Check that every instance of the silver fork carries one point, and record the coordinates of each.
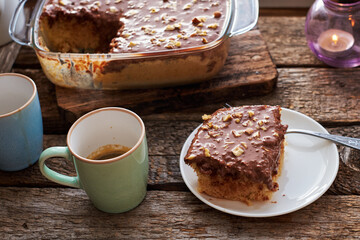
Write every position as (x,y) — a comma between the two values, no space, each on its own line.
(347,141)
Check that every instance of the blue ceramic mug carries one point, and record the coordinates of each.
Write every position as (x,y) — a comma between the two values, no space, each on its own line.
(21,129)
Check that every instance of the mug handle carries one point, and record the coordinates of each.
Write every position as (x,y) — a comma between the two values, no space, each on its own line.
(51,174)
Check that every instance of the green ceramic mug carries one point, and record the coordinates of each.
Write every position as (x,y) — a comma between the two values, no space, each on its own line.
(118,183)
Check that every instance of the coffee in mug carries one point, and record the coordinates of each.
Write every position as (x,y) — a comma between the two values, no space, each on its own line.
(108,151)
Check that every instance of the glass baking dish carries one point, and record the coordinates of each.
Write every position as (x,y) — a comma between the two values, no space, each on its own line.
(133,70)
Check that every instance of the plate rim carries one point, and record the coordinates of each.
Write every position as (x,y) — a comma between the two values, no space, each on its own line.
(257,215)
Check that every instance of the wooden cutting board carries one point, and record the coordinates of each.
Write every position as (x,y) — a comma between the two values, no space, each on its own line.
(248,71)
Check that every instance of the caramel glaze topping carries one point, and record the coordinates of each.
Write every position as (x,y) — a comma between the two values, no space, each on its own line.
(240,141)
(151,25)
(169,24)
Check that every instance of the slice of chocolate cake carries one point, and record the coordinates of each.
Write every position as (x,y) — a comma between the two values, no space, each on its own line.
(237,153)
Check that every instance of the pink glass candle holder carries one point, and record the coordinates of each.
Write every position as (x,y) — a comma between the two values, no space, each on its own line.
(332,31)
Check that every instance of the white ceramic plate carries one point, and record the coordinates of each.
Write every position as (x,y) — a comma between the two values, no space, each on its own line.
(310,167)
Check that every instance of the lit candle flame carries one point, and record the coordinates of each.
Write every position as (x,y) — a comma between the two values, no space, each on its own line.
(335,39)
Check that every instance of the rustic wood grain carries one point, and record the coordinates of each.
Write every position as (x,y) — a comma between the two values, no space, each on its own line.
(284,12)
(8,54)
(248,71)
(165,140)
(285,38)
(329,95)
(55,213)
(27,59)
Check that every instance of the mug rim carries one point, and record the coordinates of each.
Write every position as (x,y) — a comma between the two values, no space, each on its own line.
(27,103)
(110,160)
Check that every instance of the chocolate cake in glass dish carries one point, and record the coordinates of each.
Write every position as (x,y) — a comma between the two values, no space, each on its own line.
(238,153)
(128,44)
(123,44)
(120,26)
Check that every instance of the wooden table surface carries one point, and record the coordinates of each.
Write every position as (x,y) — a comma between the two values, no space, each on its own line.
(33,207)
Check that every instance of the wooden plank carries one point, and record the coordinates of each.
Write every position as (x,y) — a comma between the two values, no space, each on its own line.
(320,93)
(281,11)
(248,71)
(56,213)
(328,95)
(286,41)
(8,54)
(165,140)
(27,59)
